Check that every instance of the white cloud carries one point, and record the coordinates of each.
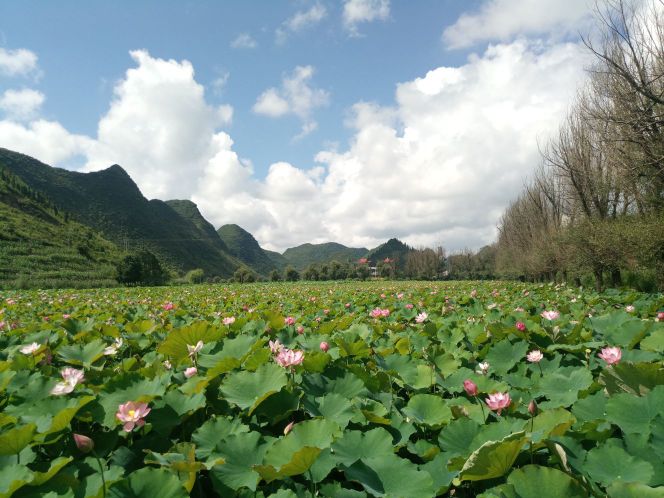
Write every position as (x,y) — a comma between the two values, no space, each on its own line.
(244,40)
(361,11)
(437,167)
(21,105)
(302,20)
(296,96)
(19,62)
(47,141)
(159,127)
(507,19)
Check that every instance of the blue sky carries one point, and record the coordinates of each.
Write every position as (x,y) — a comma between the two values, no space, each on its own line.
(302,120)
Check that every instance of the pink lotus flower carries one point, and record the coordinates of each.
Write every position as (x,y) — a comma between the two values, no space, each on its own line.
(190,372)
(470,387)
(376,313)
(660,316)
(71,377)
(473,293)
(300,329)
(324,347)
(229,320)
(30,348)
(84,443)
(289,320)
(498,401)
(385,312)
(193,350)
(288,428)
(519,309)
(326,312)
(421,317)
(409,306)
(611,355)
(132,414)
(66,316)
(167,306)
(362,261)
(535,356)
(347,305)
(550,315)
(275,346)
(630,308)
(520,326)
(289,357)
(400,295)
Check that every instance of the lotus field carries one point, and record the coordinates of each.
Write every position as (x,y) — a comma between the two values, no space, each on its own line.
(397,389)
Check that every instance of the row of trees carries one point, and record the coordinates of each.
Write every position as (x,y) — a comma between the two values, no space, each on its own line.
(596,204)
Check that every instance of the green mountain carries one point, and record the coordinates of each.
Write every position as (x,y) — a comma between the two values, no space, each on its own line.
(243,246)
(393,249)
(109,202)
(277,258)
(302,256)
(41,247)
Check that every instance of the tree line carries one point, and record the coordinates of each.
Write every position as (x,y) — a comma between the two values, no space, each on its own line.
(596,203)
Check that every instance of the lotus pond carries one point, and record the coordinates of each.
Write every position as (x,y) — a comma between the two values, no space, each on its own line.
(397,389)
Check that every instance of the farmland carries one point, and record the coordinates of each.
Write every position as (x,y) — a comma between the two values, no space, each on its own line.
(398,389)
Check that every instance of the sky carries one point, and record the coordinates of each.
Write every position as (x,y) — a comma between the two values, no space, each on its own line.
(351,121)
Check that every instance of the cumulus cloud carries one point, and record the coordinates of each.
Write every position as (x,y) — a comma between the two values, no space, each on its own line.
(505,19)
(361,11)
(296,96)
(244,40)
(19,62)
(302,20)
(21,105)
(436,167)
(47,141)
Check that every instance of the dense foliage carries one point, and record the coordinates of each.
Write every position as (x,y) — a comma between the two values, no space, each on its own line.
(337,390)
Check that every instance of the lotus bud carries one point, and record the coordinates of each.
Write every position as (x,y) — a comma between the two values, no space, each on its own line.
(84,443)
(470,387)
(532,407)
(324,347)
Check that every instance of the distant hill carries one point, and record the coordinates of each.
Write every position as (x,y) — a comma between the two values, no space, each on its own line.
(41,247)
(243,246)
(393,249)
(302,256)
(277,258)
(109,202)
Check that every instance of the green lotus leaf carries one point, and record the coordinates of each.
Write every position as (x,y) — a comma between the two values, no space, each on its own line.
(354,445)
(609,463)
(504,355)
(428,409)
(635,378)
(12,441)
(316,361)
(619,328)
(493,459)
(248,389)
(148,483)
(241,452)
(208,435)
(315,433)
(635,413)
(299,463)
(455,438)
(12,478)
(620,489)
(333,407)
(389,475)
(544,482)
(562,388)
(654,342)
(175,345)
(82,354)
(55,467)
(550,423)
